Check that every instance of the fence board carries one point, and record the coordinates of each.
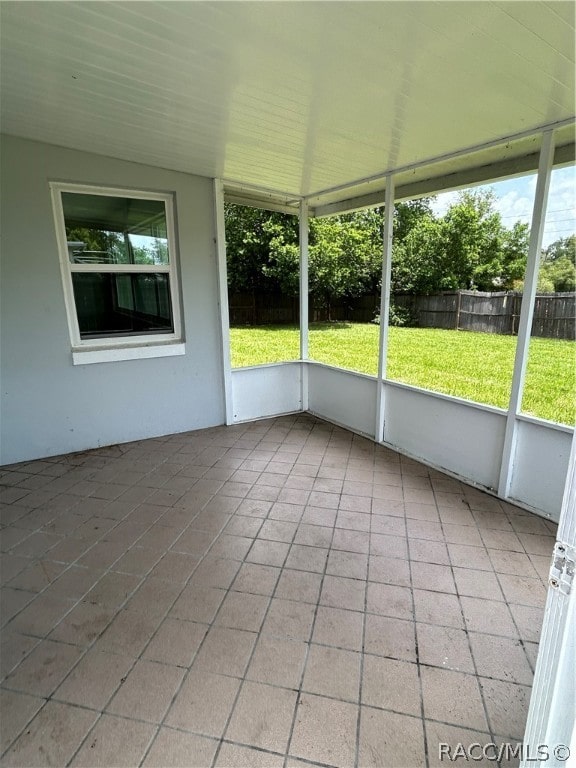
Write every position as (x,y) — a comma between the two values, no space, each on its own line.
(497,312)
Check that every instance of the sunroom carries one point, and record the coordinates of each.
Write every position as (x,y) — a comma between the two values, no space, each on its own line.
(283,564)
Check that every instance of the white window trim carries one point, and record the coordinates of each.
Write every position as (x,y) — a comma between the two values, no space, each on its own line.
(116,348)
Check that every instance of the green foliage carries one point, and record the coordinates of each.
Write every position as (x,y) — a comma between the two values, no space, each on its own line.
(559,274)
(475,366)
(564,247)
(408,214)
(345,253)
(262,249)
(417,261)
(345,256)
(467,248)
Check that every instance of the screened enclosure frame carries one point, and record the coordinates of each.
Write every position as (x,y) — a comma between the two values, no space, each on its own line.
(371,405)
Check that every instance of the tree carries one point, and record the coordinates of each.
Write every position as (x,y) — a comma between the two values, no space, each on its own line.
(466,248)
(417,261)
(257,247)
(560,273)
(408,214)
(345,256)
(474,240)
(564,247)
(557,268)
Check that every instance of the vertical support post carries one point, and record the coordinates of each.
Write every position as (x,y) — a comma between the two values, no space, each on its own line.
(384,305)
(220,241)
(303,220)
(458,308)
(526,310)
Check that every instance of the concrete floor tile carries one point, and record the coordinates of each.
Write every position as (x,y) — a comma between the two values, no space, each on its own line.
(391,684)
(204,703)
(226,651)
(17,710)
(174,749)
(390,739)
(94,680)
(44,668)
(234,755)
(325,731)
(386,636)
(320,674)
(114,741)
(52,737)
(278,661)
(262,717)
(339,628)
(287,618)
(452,697)
(241,610)
(147,691)
(176,642)
(445,647)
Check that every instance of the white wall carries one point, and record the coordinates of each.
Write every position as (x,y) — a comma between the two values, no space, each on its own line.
(462,438)
(50,406)
(343,397)
(266,390)
(446,432)
(540,465)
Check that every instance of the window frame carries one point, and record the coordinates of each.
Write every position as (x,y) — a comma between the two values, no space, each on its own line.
(102,349)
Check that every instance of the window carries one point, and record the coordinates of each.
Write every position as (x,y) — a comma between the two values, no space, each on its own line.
(117,255)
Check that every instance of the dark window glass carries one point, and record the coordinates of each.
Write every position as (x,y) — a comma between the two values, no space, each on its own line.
(108,304)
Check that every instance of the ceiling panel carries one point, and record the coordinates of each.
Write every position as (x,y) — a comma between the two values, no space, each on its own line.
(298,97)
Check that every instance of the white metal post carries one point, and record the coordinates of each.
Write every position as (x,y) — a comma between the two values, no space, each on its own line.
(303,220)
(551,713)
(220,238)
(526,310)
(384,305)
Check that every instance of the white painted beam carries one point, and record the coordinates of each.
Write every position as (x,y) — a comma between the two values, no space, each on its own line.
(304,320)
(527,310)
(384,306)
(220,239)
(491,172)
(264,204)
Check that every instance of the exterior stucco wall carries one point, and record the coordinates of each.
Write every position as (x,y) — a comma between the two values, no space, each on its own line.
(50,406)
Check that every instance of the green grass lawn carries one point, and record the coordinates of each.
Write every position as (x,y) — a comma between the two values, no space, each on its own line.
(475,366)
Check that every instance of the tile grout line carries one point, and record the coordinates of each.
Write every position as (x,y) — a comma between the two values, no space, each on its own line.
(416,642)
(465,624)
(308,643)
(150,639)
(211,625)
(117,613)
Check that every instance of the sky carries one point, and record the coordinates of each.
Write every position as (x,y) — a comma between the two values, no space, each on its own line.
(515,199)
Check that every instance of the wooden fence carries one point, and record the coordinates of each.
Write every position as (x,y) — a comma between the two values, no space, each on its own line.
(554,314)
(276,309)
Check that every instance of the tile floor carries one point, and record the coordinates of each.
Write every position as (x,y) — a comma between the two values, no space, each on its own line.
(281,593)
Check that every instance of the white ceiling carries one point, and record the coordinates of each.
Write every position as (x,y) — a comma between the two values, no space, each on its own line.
(297,97)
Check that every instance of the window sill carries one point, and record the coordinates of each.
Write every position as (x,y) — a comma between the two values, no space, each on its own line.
(116,354)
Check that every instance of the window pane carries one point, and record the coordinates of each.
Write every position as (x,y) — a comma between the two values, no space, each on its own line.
(115,230)
(122,304)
